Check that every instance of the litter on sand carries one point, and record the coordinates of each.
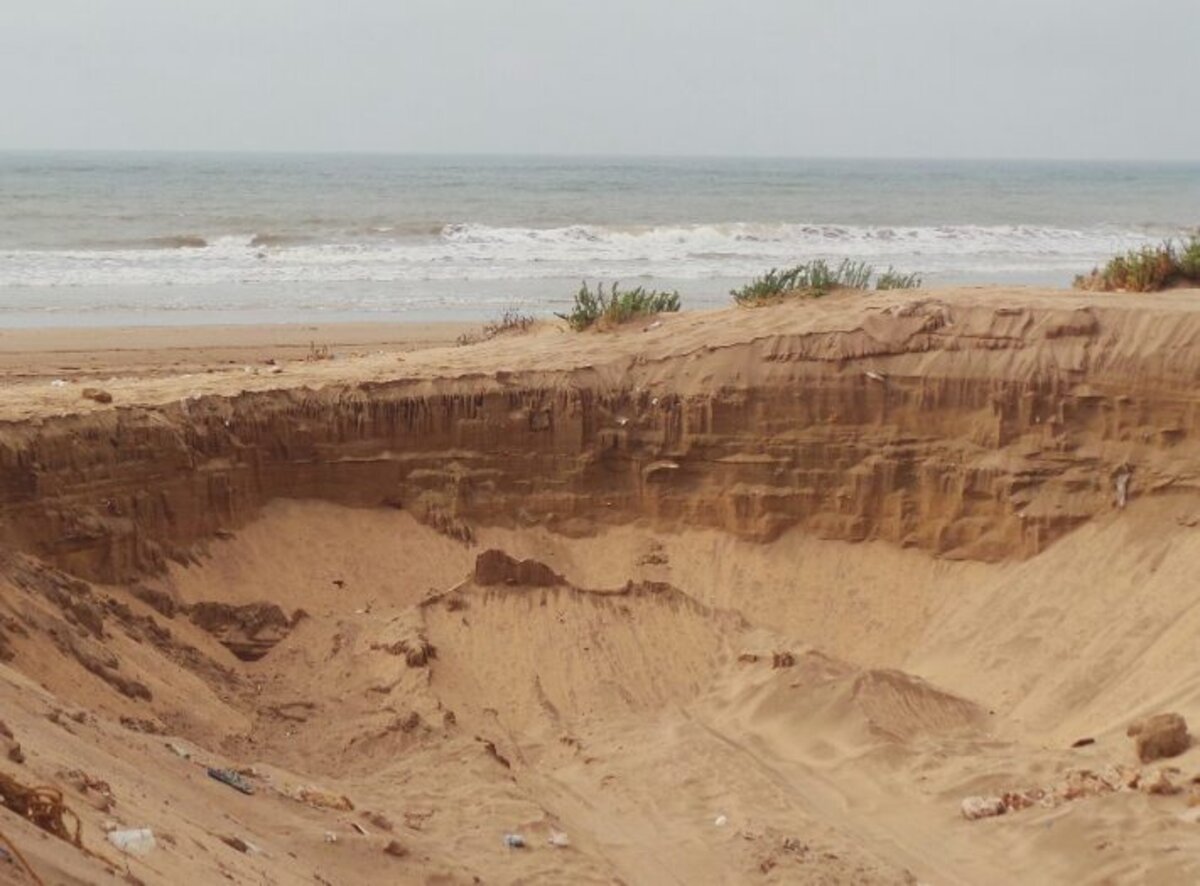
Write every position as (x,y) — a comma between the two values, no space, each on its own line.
(231,778)
(559,840)
(139,841)
(514,841)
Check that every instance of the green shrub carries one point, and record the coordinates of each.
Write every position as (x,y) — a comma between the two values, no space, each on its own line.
(616,306)
(1189,260)
(815,278)
(1148,269)
(893,279)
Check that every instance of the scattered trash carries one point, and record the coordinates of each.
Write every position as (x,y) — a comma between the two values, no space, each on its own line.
(241,845)
(358,827)
(231,778)
(58,383)
(41,805)
(720,821)
(654,325)
(559,840)
(94,789)
(514,841)
(323,800)
(1162,784)
(875,376)
(1122,484)
(330,837)
(974,808)
(139,841)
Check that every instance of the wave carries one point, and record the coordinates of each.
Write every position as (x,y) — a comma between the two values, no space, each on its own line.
(478,252)
(268,239)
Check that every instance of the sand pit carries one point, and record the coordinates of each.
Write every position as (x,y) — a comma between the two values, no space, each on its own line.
(362,624)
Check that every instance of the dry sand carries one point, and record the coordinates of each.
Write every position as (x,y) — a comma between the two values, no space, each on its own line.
(100,353)
(813,575)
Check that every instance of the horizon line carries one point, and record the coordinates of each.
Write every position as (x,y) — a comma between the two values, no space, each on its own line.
(550,155)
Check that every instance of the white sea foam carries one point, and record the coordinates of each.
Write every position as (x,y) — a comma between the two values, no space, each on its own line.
(473,252)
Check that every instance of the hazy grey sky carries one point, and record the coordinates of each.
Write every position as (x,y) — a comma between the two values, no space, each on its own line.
(942,78)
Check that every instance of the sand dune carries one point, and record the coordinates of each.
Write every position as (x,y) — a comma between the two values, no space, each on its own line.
(753,596)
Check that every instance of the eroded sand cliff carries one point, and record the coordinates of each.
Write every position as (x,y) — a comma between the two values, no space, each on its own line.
(816,571)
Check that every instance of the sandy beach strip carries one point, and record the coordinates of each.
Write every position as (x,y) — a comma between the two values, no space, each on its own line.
(151,350)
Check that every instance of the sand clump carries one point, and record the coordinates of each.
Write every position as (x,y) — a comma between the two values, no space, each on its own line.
(1158,736)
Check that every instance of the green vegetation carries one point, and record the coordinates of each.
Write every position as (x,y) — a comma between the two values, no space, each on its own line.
(616,306)
(1147,270)
(893,279)
(816,278)
(511,320)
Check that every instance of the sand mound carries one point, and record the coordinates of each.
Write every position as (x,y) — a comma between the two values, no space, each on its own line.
(811,704)
(546,657)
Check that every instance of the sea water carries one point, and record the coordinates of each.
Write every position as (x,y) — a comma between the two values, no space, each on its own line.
(100,238)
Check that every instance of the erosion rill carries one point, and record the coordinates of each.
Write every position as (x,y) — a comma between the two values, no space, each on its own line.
(969,426)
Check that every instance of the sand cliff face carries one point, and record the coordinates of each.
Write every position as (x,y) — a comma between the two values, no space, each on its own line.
(645,589)
(972,431)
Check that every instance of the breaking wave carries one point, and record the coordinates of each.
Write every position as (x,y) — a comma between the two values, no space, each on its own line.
(476,252)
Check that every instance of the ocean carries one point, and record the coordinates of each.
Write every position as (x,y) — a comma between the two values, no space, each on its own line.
(140,238)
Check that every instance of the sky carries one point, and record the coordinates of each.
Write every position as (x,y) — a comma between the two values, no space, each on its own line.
(1077,79)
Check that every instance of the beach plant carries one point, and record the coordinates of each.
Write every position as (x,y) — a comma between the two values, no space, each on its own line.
(893,279)
(1148,269)
(813,279)
(511,321)
(596,307)
(1189,259)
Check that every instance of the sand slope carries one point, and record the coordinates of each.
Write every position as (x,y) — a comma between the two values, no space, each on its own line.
(799,581)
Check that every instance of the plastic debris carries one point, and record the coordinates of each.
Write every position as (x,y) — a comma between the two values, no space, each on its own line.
(231,778)
(241,845)
(1122,485)
(330,837)
(974,808)
(514,841)
(720,821)
(139,841)
(559,840)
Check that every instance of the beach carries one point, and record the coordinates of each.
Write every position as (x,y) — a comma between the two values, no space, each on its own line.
(866,588)
(57,352)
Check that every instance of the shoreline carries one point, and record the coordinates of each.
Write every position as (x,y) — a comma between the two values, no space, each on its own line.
(67,352)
